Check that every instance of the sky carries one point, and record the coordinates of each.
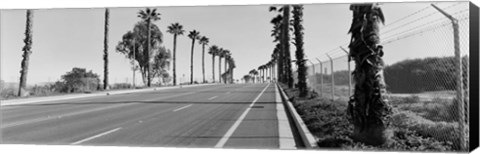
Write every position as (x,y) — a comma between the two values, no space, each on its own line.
(67,38)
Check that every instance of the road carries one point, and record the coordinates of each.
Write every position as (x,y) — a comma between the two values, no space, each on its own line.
(220,116)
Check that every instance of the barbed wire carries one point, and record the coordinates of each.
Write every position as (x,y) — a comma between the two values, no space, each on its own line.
(420,29)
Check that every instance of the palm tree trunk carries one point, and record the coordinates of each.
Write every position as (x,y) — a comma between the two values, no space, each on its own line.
(174,59)
(213,68)
(149,78)
(191,62)
(225,70)
(219,69)
(368,110)
(26,54)
(286,46)
(105,51)
(203,62)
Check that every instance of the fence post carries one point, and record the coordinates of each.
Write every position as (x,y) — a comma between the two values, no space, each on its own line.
(321,77)
(314,73)
(459,82)
(333,77)
(349,73)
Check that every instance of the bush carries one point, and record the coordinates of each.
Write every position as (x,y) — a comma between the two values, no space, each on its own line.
(327,121)
(8,93)
(122,86)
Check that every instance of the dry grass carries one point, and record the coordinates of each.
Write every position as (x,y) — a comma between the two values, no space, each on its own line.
(327,121)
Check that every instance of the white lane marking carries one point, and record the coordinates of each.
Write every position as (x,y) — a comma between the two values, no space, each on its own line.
(60,116)
(212,97)
(285,135)
(232,129)
(96,136)
(182,108)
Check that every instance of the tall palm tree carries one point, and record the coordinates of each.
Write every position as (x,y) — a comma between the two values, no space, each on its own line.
(214,52)
(149,15)
(105,50)
(175,29)
(285,41)
(27,50)
(220,55)
(298,32)
(194,35)
(368,109)
(226,54)
(203,41)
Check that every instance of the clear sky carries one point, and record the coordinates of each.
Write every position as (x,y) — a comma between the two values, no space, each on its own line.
(67,38)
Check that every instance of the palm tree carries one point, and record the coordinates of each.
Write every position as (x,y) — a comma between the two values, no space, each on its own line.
(226,55)
(203,41)
(194,35)
(252,73)
(148,16)
(232,65)
(260,68)
(302,70)
(105,50)
(175,29)
(368,109)
(220,55)
(285,41)
(214,52)
(27,50)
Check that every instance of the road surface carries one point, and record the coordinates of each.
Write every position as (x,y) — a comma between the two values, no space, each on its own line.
(220,116)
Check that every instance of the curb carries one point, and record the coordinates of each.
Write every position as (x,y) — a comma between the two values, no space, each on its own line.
(305,135)
(21,101)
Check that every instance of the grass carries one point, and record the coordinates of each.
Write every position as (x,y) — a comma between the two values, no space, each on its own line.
(413,123)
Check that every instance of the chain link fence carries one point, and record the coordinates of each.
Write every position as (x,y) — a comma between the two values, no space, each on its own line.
(423,87)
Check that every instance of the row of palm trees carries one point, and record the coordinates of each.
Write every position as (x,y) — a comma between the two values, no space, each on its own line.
(280,60)
(368,110)
(176,30)
(148,15)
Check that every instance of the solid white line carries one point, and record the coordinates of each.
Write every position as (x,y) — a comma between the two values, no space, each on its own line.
(96,136)
(212,97)
(285,135)
(182,108)
(232,129)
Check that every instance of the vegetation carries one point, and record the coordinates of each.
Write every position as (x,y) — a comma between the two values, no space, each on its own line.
(105,50)
(214,51)
(148,16)
(194,35)
(415,75)
(203,41)
(27,50)
(328,122)
(161,64)
(133,47)
(175,29)
(298,32)
(368,110)
(281,35)
(78,80)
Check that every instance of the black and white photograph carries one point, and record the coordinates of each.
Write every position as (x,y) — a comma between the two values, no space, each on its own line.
(372,76)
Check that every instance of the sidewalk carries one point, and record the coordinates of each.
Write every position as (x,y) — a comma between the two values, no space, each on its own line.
(21,101)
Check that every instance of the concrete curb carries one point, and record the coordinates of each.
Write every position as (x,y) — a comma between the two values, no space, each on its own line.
(21,101)
(306,136)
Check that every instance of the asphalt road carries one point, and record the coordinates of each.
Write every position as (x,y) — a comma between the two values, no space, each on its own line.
(220,116)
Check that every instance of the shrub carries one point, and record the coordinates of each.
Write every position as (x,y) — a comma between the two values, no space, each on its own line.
(122,86)
(327,121)
(8,93)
